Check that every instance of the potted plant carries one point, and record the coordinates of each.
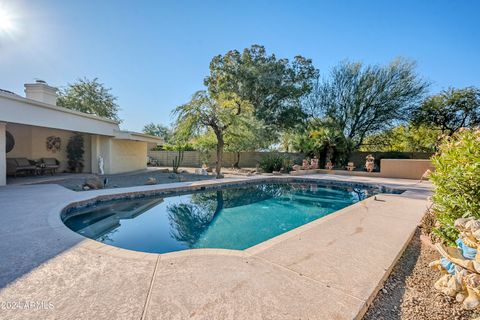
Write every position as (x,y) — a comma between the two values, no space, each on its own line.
(75,151)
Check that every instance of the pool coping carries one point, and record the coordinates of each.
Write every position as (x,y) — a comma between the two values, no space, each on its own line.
(55,218)
(413,201)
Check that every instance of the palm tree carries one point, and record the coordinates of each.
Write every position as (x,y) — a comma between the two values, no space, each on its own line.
(327,139)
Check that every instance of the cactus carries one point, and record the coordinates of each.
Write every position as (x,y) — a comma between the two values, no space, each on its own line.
(177,161)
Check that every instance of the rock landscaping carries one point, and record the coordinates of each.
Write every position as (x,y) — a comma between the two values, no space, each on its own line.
(409,293)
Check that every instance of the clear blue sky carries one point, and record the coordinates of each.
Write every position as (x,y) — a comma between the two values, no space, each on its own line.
(155,54)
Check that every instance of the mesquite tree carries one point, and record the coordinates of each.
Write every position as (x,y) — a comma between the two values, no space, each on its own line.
(273,86)
(203,112)
(364,99)
(450,110)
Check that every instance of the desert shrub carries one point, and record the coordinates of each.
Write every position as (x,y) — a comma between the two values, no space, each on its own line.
(287,164)
(275,162)
(457,181)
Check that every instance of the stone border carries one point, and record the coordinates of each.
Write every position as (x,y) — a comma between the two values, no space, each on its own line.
(55,219)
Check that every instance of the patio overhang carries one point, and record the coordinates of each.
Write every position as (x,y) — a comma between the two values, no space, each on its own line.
(135,136)
(19,110)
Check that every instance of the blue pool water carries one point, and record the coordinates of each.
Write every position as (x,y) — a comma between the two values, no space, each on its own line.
(230,218)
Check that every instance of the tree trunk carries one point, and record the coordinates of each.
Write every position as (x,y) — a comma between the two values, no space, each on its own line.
(236,165)
(219,202)
(329,155)
(220,144)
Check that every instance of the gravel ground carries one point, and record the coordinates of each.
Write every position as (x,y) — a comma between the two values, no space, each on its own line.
(133,179)
(408,293)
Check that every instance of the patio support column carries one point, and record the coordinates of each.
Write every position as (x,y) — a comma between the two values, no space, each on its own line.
(3,154)
(94,146)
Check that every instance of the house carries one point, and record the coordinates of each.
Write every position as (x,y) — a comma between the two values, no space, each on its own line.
(38,128)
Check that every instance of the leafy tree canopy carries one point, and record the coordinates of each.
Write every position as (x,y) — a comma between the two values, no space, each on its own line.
(403,138)
(250,135)
(203,113)
(450,110)
(89,96)
(274,87)
(364,99)
(158,130)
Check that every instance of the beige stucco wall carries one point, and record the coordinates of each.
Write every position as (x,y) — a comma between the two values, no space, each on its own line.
(101,147)
(31,143)
(404,168)
(126,156)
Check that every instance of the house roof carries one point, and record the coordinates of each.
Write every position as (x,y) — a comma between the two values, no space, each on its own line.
(17,109)
(136,136)
(8,92)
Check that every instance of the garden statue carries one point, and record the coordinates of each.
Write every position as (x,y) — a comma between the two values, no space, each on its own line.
(350,166)
(151,181)
(101,165)
(305,164)
(370,163)
(329,165)
(314,163)
(202,171)
(461,265)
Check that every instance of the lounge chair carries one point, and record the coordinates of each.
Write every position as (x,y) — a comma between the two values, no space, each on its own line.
(49,165)
(17,165)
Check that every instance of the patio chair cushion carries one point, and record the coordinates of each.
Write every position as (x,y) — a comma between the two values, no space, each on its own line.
(11,162)
(50,162)
(23,162)
(11,166)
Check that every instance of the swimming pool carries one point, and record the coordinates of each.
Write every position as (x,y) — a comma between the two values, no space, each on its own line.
(230,218)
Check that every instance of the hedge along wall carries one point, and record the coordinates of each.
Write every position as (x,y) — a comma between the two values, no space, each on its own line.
(251,159)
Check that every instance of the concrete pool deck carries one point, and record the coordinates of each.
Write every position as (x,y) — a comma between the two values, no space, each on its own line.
(330,268)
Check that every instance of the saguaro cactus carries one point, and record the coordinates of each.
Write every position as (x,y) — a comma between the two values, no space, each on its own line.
(177,161)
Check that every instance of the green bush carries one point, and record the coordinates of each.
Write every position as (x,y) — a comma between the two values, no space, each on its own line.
(275,162)
(457,181)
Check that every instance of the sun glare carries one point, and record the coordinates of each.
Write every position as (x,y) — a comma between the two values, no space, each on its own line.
(6,22)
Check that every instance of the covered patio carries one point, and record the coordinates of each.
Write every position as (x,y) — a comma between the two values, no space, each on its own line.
(35,128)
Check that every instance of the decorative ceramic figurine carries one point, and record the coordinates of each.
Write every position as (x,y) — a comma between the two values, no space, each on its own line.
(305,164)
(329,165)
(426,175)
(461,265)
(370,163)
(350,166)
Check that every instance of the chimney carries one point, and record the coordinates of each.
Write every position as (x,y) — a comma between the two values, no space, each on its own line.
(42,92)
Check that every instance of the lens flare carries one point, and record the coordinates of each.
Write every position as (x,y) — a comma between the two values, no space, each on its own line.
(6,21)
